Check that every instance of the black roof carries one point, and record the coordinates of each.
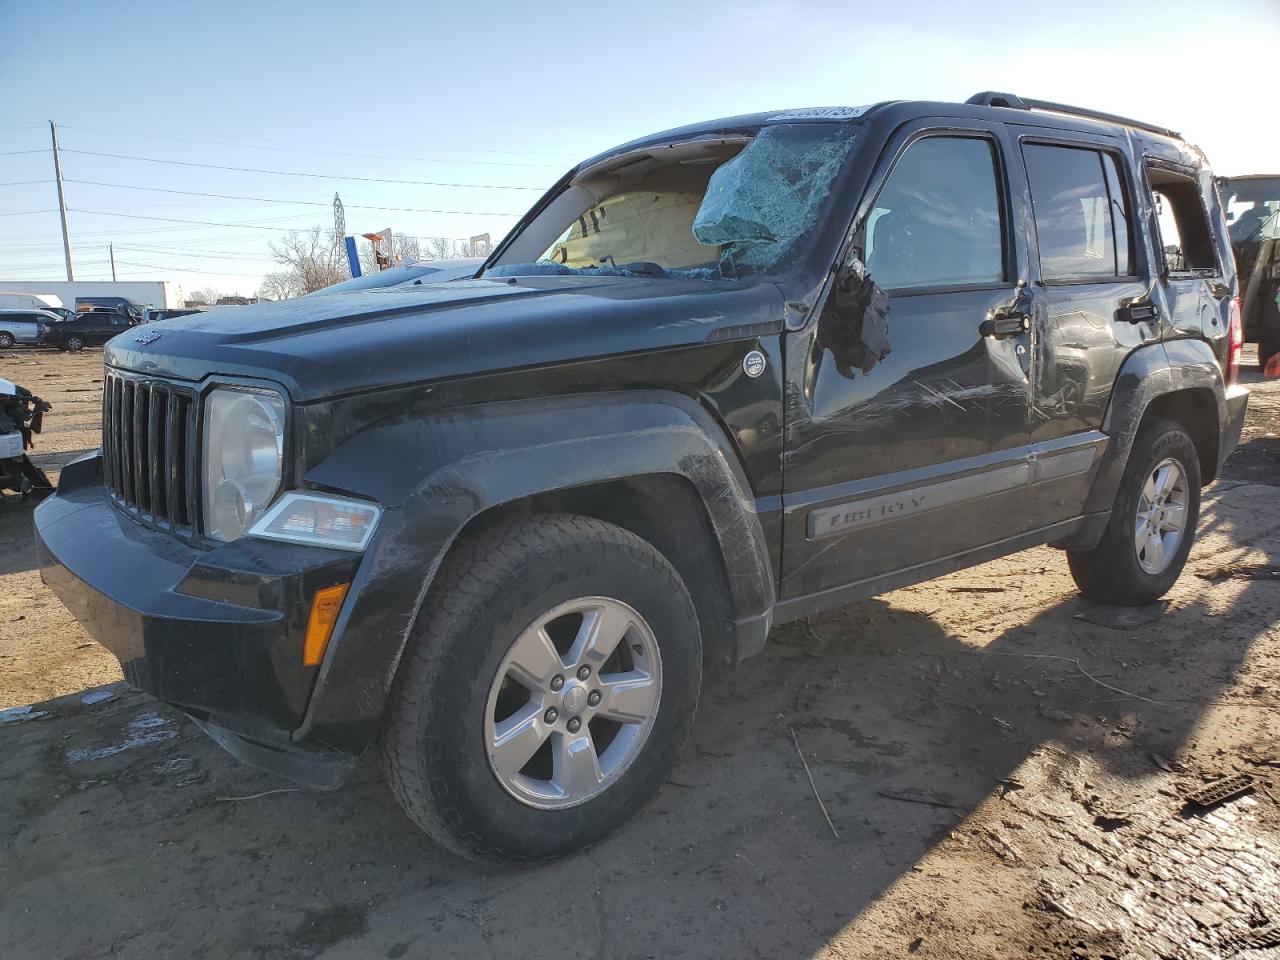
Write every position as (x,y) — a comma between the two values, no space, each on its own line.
(988,105)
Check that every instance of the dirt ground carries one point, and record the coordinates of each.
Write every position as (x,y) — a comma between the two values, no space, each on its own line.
(1005,768)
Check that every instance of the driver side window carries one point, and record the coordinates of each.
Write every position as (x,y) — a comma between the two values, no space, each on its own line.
(937,221)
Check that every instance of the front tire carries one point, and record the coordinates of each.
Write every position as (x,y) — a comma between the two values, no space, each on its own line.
(1152,525)
(6,340)
(547,689)
(73,344)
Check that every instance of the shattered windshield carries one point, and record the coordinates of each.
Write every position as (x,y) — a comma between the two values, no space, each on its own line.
(711,210)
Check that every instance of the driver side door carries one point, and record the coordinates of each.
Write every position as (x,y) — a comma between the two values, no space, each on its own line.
(925,457)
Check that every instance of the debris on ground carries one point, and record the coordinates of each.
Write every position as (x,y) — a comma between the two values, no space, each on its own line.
(925,797)
(141,732)
(97,696)
(22,714)
(1220,791)
(175,765)
(1243,571)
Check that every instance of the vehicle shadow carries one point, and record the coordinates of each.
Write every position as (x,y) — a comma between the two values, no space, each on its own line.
(906,725)
(16,533)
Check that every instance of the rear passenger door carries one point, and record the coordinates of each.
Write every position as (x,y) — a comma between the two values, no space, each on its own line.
(1093,290)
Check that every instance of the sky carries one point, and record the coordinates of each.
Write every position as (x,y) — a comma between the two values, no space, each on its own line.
(482,106)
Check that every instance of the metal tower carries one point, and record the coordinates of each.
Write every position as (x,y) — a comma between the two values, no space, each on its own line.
(339,229)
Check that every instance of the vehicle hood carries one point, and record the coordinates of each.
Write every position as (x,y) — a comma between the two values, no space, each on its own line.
(366,340)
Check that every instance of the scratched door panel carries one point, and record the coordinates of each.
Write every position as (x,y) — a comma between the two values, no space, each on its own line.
(924,456)
(943,417)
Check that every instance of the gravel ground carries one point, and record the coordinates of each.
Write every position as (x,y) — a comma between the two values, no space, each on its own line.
(1005,765)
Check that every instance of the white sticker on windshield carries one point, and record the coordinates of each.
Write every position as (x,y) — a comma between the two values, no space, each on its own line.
(821,113)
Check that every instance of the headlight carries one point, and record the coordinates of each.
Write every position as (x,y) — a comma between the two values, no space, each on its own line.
(319,520)
(243,458)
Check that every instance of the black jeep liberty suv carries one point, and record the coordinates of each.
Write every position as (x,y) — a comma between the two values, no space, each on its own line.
(716,379)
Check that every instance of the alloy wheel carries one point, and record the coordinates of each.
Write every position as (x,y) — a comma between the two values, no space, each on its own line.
(573,702)
(1162,516)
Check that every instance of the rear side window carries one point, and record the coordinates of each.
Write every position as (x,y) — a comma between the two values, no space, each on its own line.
(937,221)
(1081,213)
(1184,227)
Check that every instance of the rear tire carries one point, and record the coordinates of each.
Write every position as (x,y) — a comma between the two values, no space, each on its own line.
(6,340)
(1138,558)
(467,672)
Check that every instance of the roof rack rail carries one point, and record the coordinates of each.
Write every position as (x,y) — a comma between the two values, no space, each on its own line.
(990,98)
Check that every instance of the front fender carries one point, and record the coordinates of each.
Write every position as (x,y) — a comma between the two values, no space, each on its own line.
(433,474)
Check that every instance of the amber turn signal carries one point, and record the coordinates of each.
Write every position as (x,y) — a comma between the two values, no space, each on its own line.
(324,614)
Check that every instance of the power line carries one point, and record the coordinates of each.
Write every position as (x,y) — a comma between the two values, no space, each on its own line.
(293,173)
(221,140)
(15,153)
(25,213)
(306,203)
(202,254)
(153,266)
(23,183)
(210,223)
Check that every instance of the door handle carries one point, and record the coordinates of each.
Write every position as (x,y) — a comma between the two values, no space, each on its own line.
(1005,325)
(1139,311)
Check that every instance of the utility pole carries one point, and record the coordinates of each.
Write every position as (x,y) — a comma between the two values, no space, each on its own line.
(62,201)
(111,250)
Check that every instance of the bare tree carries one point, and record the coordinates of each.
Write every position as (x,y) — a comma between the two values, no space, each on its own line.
(205,296)
(368,264)
(311,260)
(407,249)
(281,285)
(443,248)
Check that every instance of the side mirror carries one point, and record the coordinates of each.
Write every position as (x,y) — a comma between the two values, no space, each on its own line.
(854,324)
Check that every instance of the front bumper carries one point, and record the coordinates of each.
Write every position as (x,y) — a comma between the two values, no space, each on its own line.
(216,632)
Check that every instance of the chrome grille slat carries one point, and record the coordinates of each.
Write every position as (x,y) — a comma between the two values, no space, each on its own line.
(148,451)
(193,478)
(138,447)
(108,446)
(126,439)
(171,470)
(158,394)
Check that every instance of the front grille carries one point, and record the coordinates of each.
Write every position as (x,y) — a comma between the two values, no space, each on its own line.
(149,451)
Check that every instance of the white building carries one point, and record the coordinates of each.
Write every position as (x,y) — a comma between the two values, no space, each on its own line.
(157,294)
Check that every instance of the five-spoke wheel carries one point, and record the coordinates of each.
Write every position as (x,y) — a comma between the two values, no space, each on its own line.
(573,702)
(1161,516)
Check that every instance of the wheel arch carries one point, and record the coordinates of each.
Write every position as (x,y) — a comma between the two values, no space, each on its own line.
(1176,379)
(647,460)
(665,510)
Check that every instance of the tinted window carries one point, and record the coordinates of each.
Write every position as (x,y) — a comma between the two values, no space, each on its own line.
(937,220)
(1081,213)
